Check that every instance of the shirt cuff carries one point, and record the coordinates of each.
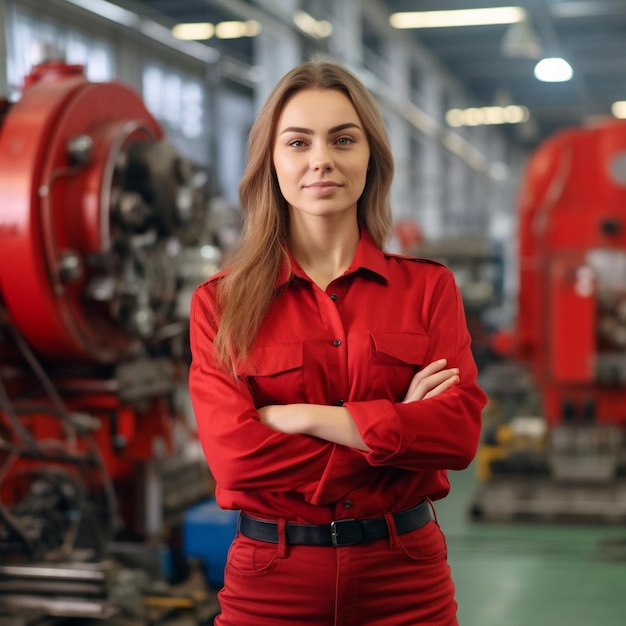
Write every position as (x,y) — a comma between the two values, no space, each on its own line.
(380,427)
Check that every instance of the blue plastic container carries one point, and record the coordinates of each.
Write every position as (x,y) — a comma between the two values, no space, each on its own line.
(207,534)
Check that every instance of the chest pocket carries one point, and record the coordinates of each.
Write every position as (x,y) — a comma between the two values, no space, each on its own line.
(395,358)
(276,373)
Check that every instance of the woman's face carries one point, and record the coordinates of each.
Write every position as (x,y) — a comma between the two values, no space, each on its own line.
(321,153)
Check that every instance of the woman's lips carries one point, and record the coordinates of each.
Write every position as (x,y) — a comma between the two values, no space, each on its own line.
(322,187)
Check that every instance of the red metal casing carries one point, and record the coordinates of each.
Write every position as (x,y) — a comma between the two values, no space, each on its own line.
(49,206)
(571,325)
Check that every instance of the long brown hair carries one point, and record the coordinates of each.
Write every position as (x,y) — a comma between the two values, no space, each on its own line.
(246,291)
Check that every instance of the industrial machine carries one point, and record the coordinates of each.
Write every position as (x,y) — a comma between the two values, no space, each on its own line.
(554,444)
(98,458)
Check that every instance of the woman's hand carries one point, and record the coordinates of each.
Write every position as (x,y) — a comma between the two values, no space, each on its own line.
(335,424)
(431,381)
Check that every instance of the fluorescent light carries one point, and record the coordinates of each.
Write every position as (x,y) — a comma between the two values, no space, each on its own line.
(320,29)
(324,29)
(235,30)
(458,17)
(194,31)
(553,70)
(619,109)
(487,116)
(514,114)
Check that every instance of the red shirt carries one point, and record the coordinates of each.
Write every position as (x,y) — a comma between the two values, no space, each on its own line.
(358,343)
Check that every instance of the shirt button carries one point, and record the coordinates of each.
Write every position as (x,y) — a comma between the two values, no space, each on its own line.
(333,297)
(347,504)
(337,342)
(339,403)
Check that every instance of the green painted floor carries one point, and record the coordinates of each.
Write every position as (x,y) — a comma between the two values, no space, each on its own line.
(532,574)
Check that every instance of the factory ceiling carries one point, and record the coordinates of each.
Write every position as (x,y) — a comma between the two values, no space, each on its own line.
(494,63)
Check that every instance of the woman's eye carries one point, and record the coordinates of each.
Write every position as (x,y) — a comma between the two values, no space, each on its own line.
(344,141)
(296,143)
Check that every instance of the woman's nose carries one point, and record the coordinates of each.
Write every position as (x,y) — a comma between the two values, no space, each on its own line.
(321,160)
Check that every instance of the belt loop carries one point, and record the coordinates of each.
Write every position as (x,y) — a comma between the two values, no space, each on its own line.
(394,544)
(282,538)
(238,525)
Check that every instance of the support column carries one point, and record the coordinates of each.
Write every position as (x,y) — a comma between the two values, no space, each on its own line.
(346,43)
(459,199)
(400,135)
(431,175)
(277,50)
(235,114)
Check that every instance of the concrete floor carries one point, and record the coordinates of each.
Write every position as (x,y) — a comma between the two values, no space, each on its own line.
(522,574)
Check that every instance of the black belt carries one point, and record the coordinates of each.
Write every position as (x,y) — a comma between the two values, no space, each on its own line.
(343,532)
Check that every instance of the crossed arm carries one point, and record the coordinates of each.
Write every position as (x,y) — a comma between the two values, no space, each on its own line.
(335,424)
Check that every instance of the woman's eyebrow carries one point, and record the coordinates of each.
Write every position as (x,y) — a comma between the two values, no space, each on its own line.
(296,129)
(336,129)
(308,131)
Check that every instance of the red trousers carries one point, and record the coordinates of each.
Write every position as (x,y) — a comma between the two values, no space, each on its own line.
(403,580)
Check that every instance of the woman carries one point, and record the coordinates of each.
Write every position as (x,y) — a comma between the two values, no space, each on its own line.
(333,383)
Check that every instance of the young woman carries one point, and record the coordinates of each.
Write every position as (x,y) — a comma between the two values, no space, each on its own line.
(333,383)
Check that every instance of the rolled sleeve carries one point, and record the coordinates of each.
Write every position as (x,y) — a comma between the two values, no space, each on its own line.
(441,432)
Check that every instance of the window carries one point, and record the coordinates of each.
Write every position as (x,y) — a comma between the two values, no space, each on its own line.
(175,99)
(33,38)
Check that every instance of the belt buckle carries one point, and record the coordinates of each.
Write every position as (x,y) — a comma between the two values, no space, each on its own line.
(342,532)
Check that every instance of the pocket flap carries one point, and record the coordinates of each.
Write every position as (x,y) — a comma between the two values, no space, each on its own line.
(275,358)
(406,347)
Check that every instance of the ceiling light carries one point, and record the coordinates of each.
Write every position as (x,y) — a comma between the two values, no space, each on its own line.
(553,70)
(514,114)
(619,109)
(487,116)
(458,17)
(235,30)
(196,31)
(320,29)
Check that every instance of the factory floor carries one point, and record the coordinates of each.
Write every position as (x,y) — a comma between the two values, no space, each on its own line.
(520,574)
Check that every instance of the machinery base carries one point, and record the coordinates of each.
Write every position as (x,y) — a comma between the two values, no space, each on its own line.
(544,499)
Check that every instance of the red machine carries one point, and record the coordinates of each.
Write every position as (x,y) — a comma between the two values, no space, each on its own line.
(565,455)
(95,208)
